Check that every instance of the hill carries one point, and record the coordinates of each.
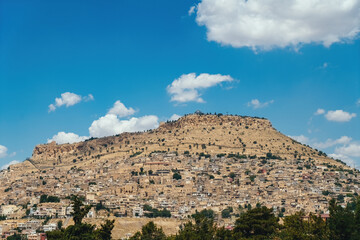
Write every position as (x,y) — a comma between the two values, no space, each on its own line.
(210,134)
(199,161)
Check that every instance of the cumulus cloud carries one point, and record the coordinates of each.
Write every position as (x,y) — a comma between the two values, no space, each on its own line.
(174,117)
(8,164)
(330,142)
(186,88)
(255,103)
(120,110)
(301,138)
(110,124)
(191,10)
(266,24)
(89,97)
(3,151)
(346,149)
(320,111)
(339,116)
(348,152)
(63,137)
(352,150)
(69,99)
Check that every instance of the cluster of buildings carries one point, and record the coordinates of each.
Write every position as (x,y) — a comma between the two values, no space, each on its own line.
(180,183)
(33,229)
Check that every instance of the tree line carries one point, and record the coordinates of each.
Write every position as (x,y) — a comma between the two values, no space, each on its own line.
(259,223)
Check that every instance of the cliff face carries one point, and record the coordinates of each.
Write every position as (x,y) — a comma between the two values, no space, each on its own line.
(210,134)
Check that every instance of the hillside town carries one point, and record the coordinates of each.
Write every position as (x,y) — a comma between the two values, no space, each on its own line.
(179,184)
(228,164)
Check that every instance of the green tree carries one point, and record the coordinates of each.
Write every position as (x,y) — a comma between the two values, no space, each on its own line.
(59,224)
(79,210)
(104,232)
(45,198)
(203,228)
(356,234)
(81,231)
(206,213)
(17,237)
(295,227)
(226,213)
(176,176)
(341,222)
(232,175)
(153,212)
(223,234)
(257,223)
(149,232)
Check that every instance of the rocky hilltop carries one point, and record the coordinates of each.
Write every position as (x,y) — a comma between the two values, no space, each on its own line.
(199,161)
(210,134)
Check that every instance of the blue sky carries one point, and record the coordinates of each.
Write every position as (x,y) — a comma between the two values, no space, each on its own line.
(160,58)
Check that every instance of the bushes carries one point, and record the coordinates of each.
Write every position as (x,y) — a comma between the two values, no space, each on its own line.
(135,154)
(226,213)
(204,155)
(232,175)
(176,176)
(238,156)
(271,156)
(153,212)
(45,198)
(100,206)
(206,213)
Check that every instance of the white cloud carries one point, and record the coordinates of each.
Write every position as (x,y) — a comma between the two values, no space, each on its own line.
(89,97)
(63,137)
(255,103)
(120,110)
(69,99)
(8,164)
(265,24)
(339,116)
(358,102)
(3,151)
(110,124)
(174,117)
(301,138)
(349,161)
(52,107)
(352,150)
(329,142)
(186,88)
(191,10)
(345,151)
(320,111)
